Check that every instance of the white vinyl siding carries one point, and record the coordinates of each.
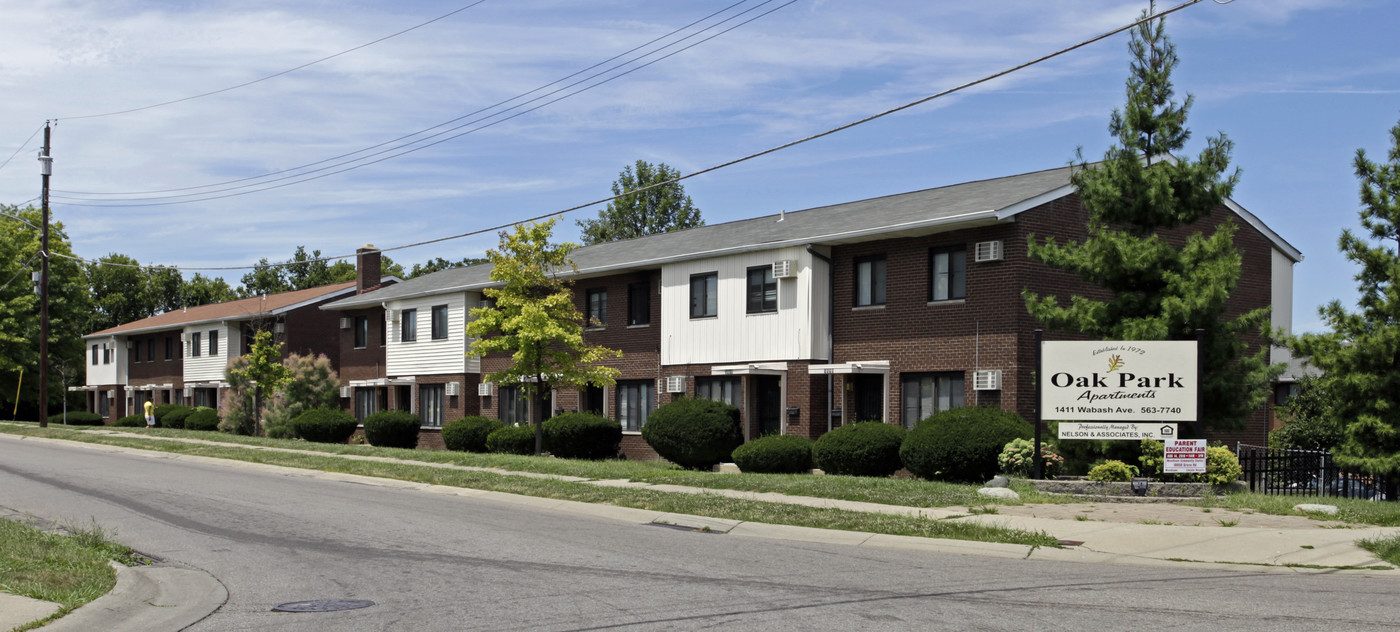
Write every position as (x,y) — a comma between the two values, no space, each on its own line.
(795,331)
(429,356)
(103,372)
(207,367)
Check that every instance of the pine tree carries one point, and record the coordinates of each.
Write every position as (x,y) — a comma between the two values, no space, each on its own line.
(1160,291)
(1360,357)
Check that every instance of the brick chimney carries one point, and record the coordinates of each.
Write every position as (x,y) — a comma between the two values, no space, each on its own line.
(367,273)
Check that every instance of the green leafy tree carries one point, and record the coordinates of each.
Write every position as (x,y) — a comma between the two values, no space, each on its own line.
(69,308)
(307,271)
(437,264)
(660,209)
(1309,419)
(120,291)
(203,290)
(265,278)
(164,290)
(258,371)
(535,321)
(1360,356)
(1159,291)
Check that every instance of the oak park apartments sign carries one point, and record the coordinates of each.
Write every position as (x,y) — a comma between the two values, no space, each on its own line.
(1119,381)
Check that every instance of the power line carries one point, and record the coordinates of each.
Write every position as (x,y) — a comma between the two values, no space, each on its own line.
(279,74)
(422,143)
(22,146)
(736,161)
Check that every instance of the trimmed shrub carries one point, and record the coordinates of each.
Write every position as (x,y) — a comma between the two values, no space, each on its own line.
(173,415)
(324,425)
(512,440)
(202,418)
(775,454)
(1018,459)
(131,421)
(392,429)
(1222,466)
(961,444)
(1112,472)
(582,436)
(468,434)
(693,433)
(78,418)
(867,448)
(1081,454)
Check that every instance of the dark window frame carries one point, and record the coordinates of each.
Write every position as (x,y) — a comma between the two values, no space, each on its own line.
(408,325)
(213,342)
(94,355)
(196,340)
(956,394)
(429,416)
(169,348)
(957,278)
(595,305)
(439,324)
(877,280)
(361,332)
(151,350)
(761,297)
(639,303)
(626,412)
(708,305)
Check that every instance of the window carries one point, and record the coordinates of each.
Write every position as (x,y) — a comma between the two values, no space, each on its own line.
(94,355)
(929,393)
(639,303)
(870,281)
(106,354)
(213,343)
(514,406)
(634,403)
(720,389)
(409,324)
(136,355)
(597,307)
(947,273)
(704,295)
(169,348)
(439,322)
(762,290)
(361,332)
(366,403)
(432,404)
(194,345)
(151,350)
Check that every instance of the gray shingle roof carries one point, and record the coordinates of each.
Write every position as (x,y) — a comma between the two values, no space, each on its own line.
(882,217)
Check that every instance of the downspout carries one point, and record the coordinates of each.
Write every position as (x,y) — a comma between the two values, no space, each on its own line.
(830,331)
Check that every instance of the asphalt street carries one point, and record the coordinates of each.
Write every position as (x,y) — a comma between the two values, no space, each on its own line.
(433,561)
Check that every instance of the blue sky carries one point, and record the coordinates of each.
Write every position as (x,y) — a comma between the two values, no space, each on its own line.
(1299,85)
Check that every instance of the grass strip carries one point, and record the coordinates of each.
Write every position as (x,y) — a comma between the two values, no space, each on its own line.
(886,491)
(1353,510)
(1387,548)
(69,570)
(708,505)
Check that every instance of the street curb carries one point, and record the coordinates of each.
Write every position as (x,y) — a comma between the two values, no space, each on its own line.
(148,599)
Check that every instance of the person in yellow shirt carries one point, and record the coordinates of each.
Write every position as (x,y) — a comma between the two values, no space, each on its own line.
(150,414)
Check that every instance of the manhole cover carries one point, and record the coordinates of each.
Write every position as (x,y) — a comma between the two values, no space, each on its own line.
(322,605)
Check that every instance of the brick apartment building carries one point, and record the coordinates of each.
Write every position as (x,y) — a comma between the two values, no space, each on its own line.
(891,308)
(179,357)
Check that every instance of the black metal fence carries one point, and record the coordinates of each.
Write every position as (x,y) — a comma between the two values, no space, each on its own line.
(1305,473)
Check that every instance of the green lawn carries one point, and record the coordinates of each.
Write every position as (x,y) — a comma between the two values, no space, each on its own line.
(69,570)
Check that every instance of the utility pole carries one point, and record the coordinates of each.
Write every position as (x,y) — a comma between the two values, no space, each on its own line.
(45,169)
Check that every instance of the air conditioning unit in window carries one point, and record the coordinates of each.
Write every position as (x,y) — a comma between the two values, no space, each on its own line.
(454,389)
(988,251)
(785,269)
(393,315)
(484,303)
(483,389)
(189,391)
(279,328)
(345,322)
(986,380)
(345,392)
(675,384)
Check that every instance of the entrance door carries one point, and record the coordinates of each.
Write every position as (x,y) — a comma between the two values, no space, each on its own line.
(869,393)
(768,404)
